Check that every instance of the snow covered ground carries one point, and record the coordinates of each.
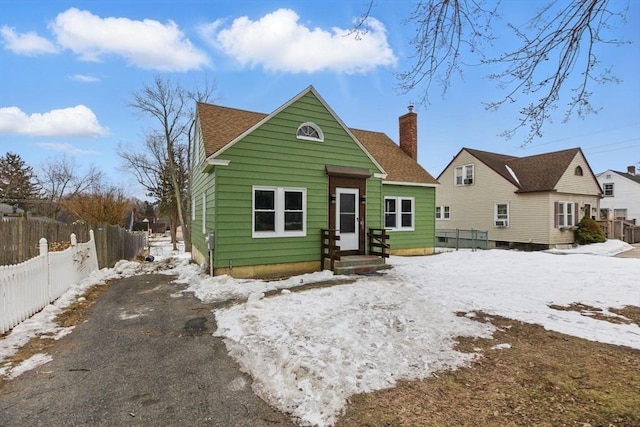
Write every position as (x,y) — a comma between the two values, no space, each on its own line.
(309,351)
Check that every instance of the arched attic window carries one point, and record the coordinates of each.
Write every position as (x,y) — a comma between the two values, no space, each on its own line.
(310,132)
(578,171)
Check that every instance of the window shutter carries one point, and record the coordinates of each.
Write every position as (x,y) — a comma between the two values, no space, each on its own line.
(576,214)
(555,214)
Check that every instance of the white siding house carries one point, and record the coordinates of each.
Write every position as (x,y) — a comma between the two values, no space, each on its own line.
(621,195)
(533,201)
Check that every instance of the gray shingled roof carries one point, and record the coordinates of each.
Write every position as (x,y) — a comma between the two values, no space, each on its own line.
(221,125)
(634,178)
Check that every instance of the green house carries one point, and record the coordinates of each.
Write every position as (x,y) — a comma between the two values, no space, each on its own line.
(285,193)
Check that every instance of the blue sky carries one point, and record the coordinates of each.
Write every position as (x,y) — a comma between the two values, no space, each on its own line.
(69,68)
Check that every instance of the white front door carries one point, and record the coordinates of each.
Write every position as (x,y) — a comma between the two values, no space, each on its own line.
(347,218)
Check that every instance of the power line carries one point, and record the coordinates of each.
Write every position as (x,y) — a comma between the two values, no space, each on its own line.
(583,135)
(613,149)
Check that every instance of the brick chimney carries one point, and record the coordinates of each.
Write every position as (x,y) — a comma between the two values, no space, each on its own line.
(409,133)
(631,170)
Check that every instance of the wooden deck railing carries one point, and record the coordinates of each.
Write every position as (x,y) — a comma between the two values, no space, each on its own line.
(378,245)
(330,247)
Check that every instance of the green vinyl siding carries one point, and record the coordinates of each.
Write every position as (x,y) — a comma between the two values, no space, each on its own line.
(272,156)
(374,203)
(198,185)
(423,235)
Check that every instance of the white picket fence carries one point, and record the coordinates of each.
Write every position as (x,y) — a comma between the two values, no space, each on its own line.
(26,288)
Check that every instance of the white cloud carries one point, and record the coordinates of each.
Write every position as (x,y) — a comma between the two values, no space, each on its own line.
(84,78)
(278,42)
(65,147)
(27,43)
(73,121)
(145,44)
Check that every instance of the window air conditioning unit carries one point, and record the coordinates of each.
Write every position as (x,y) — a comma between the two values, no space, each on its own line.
(501,223)
(468,181)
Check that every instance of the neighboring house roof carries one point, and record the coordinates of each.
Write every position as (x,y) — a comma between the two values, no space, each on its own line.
(634,178)
(223,125)
(8,209)
(540,172)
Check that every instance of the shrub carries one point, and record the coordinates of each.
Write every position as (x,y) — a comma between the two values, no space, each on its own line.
(588,232)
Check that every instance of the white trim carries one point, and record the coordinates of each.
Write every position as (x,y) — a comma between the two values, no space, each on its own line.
(204,212)
(287,104)
(193,208)
(209,163)
(442,217)
(380,175)
(309,138)
(398,213)
(278,212)
(410,184)
(463,175)
(566,215)
(349,241)
(507,220)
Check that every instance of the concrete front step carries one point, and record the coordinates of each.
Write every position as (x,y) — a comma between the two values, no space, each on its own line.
(359,264)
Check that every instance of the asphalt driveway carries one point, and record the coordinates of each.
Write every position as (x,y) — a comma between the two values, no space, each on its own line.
(144,356)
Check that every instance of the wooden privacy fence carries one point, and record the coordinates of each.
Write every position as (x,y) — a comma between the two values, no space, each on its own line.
(114,243)
(19,237)
(19,240)
(623,230)
(27,287)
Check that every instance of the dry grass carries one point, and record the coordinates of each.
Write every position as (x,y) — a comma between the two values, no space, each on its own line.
(70,316)
(544,379)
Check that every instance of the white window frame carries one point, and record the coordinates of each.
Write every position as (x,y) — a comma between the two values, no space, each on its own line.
(398,213)
(497,216)
(610,189)
(463,173)
(279,199)
(193,208)
(204,213)
(443,213)
(320,137)
(564,214)
(620,214)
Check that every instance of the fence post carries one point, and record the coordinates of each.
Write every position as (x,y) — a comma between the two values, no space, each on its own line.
(21,240)
(473,240)
(44,252)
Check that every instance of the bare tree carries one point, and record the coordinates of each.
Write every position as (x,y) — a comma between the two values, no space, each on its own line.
(148,165)
(557,55)
(150,168)
(173,107)
(60,177)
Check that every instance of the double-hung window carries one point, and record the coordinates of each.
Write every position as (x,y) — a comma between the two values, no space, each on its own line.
(608,189)
(399,213)
(443,212)
(501,214)
(565,214)
(279,212)
(463,175)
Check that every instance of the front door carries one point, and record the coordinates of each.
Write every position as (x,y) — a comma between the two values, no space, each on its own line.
(347,218)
